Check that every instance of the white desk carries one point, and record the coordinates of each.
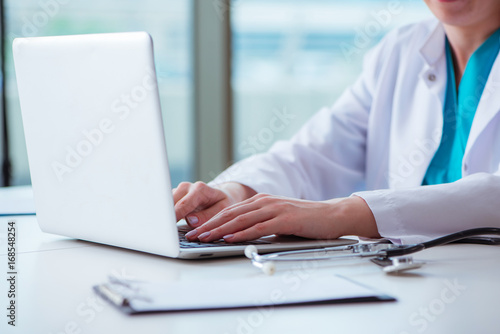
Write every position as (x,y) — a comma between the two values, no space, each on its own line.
(56,275)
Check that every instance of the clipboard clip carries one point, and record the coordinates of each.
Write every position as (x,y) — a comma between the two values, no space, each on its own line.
(120,292)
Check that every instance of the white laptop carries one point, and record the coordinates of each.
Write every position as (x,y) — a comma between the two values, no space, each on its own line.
(96,147)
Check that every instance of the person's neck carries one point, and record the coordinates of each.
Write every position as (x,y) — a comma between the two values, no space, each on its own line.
(464,41)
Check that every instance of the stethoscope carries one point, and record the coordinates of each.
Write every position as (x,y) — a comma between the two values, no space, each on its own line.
(393,258)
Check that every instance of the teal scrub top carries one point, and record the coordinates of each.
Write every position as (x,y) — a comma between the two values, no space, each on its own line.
(459,110)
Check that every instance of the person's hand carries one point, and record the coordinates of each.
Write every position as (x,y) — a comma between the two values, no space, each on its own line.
(263,215)
(198,202)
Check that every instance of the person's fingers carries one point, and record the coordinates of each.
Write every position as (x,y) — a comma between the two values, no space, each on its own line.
(251,204)
(181,191)
(270,215)
(234,218)
(199,197)
(239,223)
(199,218)
(265,228)
(185,205)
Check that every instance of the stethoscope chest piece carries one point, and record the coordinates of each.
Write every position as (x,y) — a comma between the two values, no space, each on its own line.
(398,265)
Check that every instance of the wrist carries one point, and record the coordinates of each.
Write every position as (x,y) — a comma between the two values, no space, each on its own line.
(353,216)
(236,192)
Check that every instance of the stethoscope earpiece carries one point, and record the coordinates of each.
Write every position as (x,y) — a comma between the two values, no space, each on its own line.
(251,251)
(267,267)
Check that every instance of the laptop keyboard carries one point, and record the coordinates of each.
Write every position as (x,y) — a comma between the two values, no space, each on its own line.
(184,243)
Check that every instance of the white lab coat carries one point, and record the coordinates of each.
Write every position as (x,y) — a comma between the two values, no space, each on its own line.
(378,139)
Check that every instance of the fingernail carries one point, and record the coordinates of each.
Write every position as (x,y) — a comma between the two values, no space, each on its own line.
(228,237)
(204,235)
(191,233)
(193,221)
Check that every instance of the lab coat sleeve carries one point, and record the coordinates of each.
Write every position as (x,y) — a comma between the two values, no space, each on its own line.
(310,165)
(327,157)
(418,214)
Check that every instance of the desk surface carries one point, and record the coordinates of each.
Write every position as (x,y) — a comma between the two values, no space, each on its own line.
(456,292)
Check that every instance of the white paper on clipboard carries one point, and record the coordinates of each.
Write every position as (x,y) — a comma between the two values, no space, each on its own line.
(141,297)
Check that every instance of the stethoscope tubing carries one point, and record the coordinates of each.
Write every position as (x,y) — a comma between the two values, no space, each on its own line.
(410,249)
(375,250)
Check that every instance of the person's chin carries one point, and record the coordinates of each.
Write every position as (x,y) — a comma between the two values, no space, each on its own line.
(452,12)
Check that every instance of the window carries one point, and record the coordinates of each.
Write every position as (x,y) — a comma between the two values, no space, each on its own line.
(289,58)
(168,21)
(292,57)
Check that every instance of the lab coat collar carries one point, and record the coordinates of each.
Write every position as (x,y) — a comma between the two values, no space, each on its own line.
(433,47)
(433,52)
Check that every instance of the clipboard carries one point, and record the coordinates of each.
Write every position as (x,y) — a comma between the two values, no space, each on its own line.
(135,297)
